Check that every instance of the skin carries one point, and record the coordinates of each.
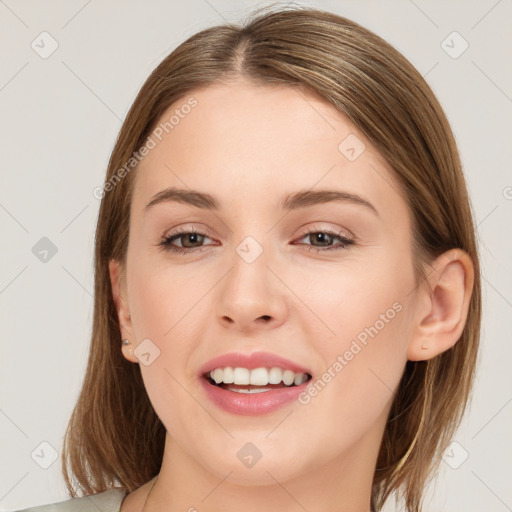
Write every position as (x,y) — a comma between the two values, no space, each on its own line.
(248,145)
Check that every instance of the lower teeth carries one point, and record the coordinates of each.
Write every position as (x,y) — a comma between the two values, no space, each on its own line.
(248,391)
(251,389)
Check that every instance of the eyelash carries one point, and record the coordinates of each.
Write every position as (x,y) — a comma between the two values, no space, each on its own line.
(166,243)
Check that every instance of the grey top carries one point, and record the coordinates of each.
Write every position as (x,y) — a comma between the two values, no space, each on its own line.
(108,501)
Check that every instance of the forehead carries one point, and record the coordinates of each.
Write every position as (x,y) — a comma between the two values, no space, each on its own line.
(245,139)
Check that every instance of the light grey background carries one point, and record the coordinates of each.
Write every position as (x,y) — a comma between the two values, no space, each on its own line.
(60,117)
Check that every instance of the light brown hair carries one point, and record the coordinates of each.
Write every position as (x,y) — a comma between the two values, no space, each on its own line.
(114,437)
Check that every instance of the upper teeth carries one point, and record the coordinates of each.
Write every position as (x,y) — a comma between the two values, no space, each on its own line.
(257,377)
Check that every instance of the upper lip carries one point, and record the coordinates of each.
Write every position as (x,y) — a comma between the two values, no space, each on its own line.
(251,361)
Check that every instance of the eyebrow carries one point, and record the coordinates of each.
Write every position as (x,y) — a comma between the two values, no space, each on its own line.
(300,199)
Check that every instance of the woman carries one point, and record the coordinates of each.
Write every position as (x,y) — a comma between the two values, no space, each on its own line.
(287,291)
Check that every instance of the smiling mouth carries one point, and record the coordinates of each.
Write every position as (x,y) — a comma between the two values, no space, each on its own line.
(259,380)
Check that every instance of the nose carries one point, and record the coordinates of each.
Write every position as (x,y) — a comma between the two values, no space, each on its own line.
(251,297)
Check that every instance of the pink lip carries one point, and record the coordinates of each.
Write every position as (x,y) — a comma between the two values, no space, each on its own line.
(252,404)
(251,361)
(255,403)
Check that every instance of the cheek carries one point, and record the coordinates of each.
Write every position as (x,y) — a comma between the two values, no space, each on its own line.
(168,313)
(169,310)
(366,309)
(352,395)
(164,300)
(359,299)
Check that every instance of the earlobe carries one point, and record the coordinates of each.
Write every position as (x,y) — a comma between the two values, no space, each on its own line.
(123,314)
(443,305)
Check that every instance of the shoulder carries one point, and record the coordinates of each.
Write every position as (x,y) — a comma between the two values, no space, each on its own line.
(108,501)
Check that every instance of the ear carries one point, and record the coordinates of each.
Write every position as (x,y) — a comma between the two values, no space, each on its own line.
(118,282)
(442,306)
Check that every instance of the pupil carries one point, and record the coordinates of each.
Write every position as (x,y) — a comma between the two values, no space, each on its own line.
(192,237)
(323,237)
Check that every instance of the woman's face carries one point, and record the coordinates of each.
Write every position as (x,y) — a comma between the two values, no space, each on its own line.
(336,304)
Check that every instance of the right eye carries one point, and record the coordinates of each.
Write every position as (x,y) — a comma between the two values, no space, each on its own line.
(188,240)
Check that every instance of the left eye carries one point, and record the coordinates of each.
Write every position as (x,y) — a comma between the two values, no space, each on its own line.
(326,238)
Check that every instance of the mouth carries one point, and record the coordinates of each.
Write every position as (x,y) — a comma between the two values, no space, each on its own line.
(253,384)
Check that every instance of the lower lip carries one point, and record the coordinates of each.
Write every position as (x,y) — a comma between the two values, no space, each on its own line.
(252,404)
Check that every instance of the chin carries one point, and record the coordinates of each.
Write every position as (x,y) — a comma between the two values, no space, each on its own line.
(258,464)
